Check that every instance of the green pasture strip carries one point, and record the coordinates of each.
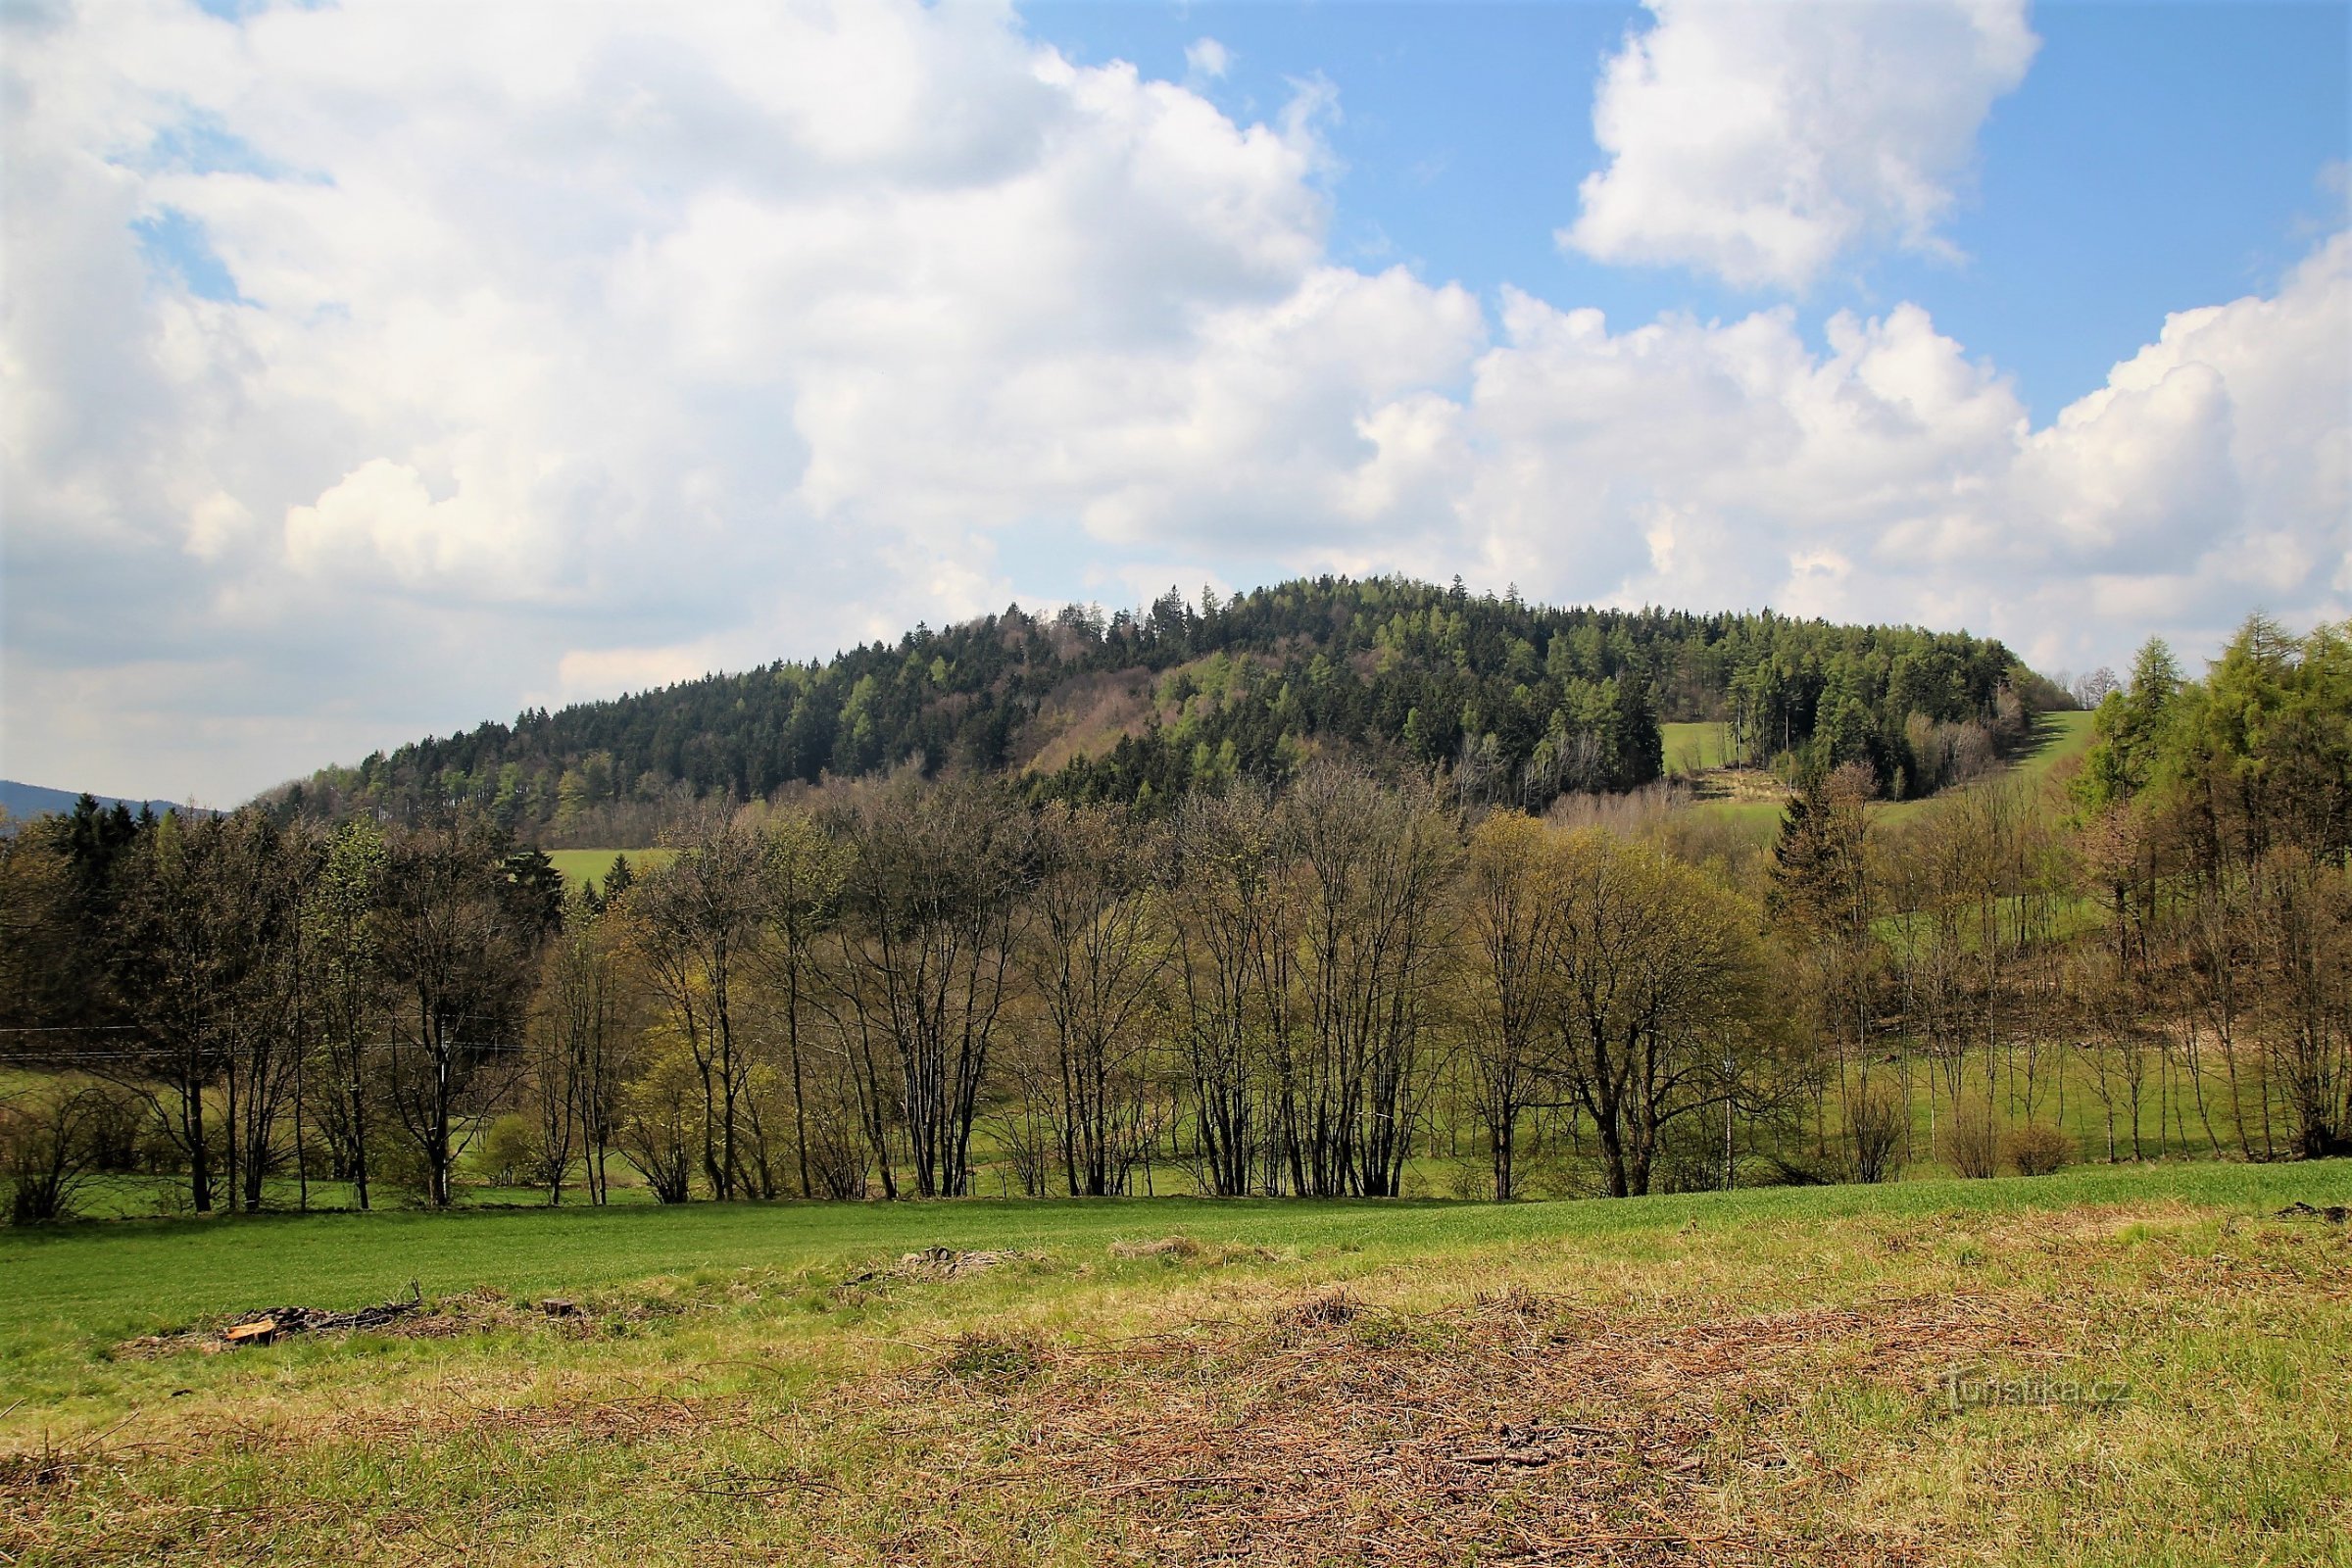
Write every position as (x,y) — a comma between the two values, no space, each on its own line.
(99,1282)
(582,866)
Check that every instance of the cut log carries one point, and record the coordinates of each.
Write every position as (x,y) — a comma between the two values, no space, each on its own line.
(261,1331)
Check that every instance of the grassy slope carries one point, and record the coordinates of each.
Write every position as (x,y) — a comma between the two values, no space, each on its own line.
(1695,747)
(1748,1376)
(2065,736)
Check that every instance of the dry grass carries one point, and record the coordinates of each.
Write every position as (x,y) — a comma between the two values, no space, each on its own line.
(1671,1394)
(1331,1429)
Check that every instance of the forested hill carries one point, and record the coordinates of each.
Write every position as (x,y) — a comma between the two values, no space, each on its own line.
(1527,701)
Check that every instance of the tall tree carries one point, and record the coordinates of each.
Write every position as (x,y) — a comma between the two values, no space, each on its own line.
(698,924)
(804,870)
(1657,988)
(1093,958)
(935,896)
(1510,910)
(456,939)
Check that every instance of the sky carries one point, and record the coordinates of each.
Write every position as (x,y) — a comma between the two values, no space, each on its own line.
(370,369)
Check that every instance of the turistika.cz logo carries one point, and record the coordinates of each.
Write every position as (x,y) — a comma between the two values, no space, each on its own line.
(1962,1390)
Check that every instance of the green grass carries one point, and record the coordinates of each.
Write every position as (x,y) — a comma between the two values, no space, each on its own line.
(590,865)
(2068,735)
(2062,736)
(1762,1376)
(118,1278)
(1695,748)
(1756,821)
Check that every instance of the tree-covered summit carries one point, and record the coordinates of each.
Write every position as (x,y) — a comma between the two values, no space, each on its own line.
(1525,702)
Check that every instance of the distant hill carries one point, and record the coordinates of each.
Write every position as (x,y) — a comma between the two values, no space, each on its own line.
(1526,701)
(23,801)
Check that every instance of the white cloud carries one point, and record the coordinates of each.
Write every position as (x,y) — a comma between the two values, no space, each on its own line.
(1207,59)
(734,329)
(1890,477)
(574,350)
(1761,141)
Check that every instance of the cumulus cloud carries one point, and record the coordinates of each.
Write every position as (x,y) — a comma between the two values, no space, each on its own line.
(558,351)
(1890,475)
(1207,59)
(1759,142)
(734,329)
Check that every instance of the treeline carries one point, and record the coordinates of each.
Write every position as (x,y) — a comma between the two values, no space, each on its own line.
(893,986)
(1527,703)
(2217,832)
(872,995)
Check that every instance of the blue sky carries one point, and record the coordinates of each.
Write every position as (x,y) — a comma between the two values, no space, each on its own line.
(375,367)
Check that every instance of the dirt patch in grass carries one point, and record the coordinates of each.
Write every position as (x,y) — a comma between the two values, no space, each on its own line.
(1335,1429)
(1325,1427)
(935,1263)
(1176,1250)
(447,1317)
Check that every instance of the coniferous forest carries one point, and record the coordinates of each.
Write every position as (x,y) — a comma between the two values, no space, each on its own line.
(1529,703)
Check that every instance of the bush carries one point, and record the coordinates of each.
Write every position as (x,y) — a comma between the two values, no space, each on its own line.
(2039,1150)
(512,1152)
(48,1146)
(1970,1143)
(1874,1125)
(396,1161)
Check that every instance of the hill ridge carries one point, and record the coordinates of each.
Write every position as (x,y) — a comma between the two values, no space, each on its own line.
(1523,701)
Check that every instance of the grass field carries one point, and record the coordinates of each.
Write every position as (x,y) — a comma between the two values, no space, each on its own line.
(1695,747)
(590,865)
(2063,736)
(2124,1366)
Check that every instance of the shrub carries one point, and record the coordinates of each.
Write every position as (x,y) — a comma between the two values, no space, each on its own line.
(49,1144)
(1969,1142)
(398,1162)
(511,1153)
(2038,1148)
(1875,1128)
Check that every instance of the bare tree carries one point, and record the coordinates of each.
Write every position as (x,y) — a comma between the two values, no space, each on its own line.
(2303,919)
(456,938)
(935,896)
(696,925)
(1373,866)
(1092,958)
(1236,946)
(49,1144)
(805,868)
(1510,909)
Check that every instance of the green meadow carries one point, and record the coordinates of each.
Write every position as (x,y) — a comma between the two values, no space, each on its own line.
(2060,737)
(2115,1365)
(582,867)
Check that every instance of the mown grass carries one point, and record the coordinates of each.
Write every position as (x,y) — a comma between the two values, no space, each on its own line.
(1757,1376)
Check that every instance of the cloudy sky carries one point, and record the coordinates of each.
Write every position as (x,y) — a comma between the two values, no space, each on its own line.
(378,368)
